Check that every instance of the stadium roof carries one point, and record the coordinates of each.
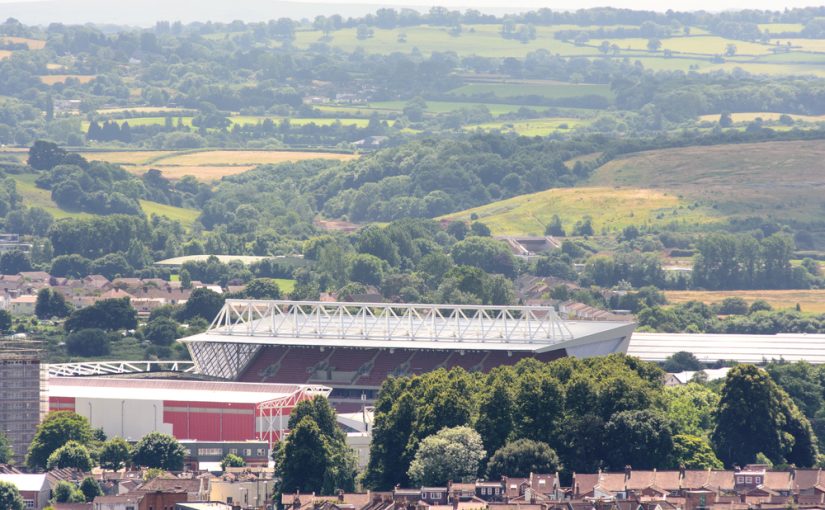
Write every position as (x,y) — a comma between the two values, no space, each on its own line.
(741,348)
(190,391)
(242,326)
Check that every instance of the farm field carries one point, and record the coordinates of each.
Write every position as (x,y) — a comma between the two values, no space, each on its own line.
(433,107)
(704,45)
(778,28)
(141,110)
(51,79)
(5,54)
(812,300)
(611,210)
(739,179)
(204,173)
(817,45)
(548,90)
(531,127)
(33,44)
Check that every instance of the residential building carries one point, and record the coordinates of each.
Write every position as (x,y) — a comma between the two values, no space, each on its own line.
(23,305)
(34,488)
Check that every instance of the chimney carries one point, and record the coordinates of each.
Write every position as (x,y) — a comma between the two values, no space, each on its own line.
(340,496)
(628,471)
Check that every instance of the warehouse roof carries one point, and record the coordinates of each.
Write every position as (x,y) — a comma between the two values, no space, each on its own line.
(741,348)
(191,391)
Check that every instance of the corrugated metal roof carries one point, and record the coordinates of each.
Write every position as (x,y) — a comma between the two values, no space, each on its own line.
(742,348)
(152,389)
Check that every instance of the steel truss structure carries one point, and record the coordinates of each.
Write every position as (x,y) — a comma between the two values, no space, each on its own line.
(273,414)
(117,367)
(390,322)
(258,322)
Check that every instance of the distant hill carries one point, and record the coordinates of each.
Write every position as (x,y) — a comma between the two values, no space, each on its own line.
(689,186)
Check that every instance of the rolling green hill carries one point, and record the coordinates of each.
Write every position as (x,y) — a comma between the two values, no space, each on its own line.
(688,187)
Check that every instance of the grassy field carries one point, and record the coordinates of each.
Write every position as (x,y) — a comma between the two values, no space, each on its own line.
(204,173)
(143,110)
(809,300)
(703,45)
(549,90)
(767,116)
(773,179)
(611,210)
(285,285)
(185,216)
(51,79)
(481,40)
(532,127)
(5,54)
(816,45)
(433,107)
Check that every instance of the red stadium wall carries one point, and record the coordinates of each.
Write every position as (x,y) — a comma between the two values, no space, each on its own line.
(210,421)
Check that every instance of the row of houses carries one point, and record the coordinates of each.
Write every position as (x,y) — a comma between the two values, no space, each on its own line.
(754,487)
(127,490)
(19,291)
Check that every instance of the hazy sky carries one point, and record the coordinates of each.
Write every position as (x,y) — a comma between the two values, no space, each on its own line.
(658,5)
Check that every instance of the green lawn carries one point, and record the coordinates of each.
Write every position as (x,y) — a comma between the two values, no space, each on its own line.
(285,285)
(37,197)
(181,214)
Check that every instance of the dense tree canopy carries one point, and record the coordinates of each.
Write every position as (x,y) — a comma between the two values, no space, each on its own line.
(55,431)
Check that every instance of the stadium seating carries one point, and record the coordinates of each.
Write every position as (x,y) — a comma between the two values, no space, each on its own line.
(382,366)
(350,360)
(297,364)
(424,361)
(265,365)
(467,361)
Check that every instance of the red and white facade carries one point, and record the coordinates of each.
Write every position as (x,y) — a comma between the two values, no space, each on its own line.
(188,410)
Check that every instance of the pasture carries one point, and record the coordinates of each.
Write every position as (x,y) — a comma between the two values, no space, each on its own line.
(545,89)
(812,300)
(246,157)
(611,210)
(766,116)
(737,179)
(531,127)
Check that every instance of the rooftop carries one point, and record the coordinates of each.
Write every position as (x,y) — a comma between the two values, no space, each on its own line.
(25,482)
(741,348)
(149,389)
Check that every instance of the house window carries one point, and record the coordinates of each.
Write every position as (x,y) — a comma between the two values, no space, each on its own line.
(233,451)
(757,479)
(748,479)
(740,479)
(29,503)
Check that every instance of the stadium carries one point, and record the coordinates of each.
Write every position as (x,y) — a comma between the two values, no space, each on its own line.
(353,347)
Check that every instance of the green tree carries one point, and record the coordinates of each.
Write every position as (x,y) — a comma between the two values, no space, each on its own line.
(757,416)
(45,155)
(56,430)
(520,458)
(158,450)
(539,407)
(161,331)
(106,314)
(202,303)
(6,452)
(691,407)
(366,269)
(639,438)
(555,227)
(302,459)
(262,288)
(13,262)
(10,498)
(692,452)
(495,417)
(232,460)
(90,489)
(67,492)
(681,361)
(451,454)
(115,454)
(88,343)
(50,304)
(70,455)
(490,255)
(5,320)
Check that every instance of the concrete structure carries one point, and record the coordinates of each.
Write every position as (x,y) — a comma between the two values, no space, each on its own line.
(204,455)
(353,347)
(22,398)
(195,410)
(34,489)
